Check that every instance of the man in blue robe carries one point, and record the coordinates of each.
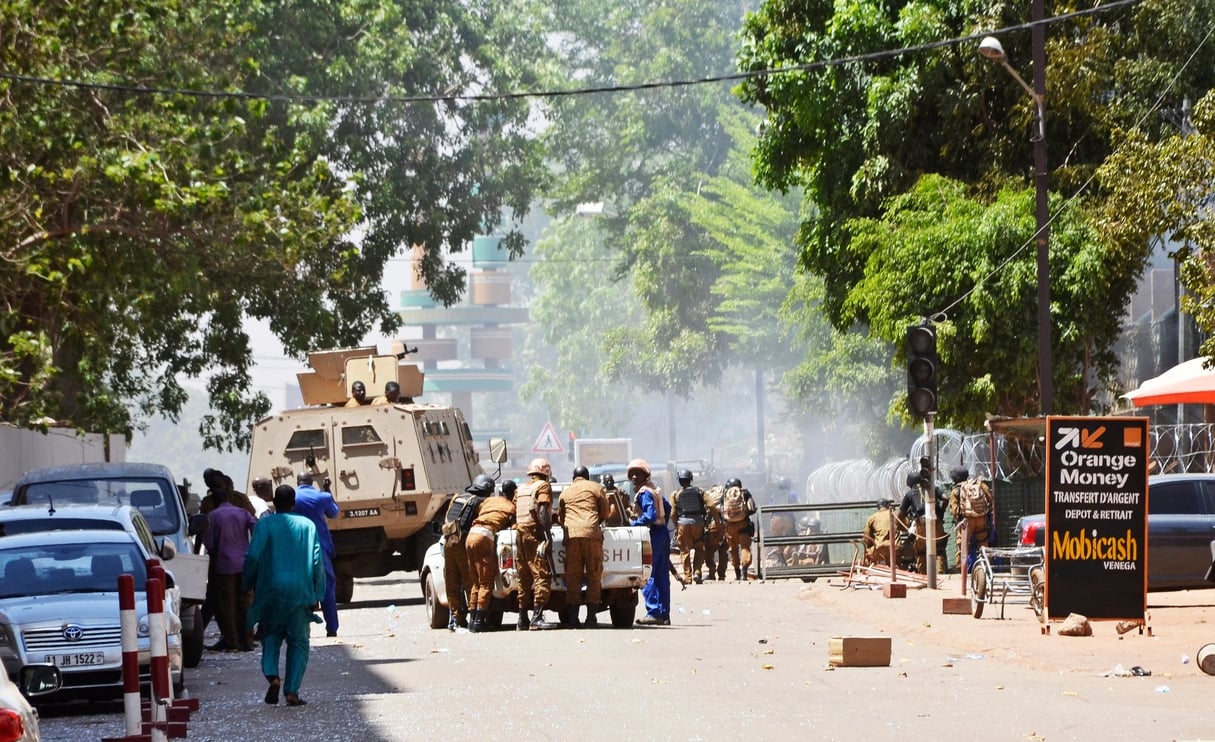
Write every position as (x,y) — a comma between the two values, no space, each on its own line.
(286,571)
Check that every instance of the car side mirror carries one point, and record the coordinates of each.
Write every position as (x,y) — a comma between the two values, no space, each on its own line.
(198,524)
(497,450)
(167,550)
(39,680)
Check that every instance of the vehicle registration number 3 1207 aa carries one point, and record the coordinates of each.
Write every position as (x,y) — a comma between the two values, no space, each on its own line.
(78,659)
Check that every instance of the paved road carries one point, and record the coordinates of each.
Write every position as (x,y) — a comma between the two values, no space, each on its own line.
(741,659)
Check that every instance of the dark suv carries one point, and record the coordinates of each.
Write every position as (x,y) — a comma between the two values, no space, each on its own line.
(1181,526)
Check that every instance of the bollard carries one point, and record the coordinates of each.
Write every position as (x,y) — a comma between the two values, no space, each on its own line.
(130,653)
(157,570)
(160,657)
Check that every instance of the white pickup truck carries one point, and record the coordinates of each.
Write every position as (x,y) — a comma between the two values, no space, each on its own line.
(626,567)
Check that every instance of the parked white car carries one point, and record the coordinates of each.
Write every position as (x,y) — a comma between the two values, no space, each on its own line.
(59,606)
(18,719)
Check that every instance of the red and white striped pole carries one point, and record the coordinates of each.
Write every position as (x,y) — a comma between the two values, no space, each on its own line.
(160,657)
(157,570)
(130,654)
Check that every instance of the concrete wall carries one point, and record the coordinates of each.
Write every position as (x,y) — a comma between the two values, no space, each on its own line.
(22,450)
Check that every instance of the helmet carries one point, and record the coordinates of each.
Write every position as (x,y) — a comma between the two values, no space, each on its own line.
(540,466)
(607,480)
(508,489)
(684,476)
(809,523)
(580,472)
(733,482)
(884,503)
(638,465)
(959,474)
(482,485)
(914,479)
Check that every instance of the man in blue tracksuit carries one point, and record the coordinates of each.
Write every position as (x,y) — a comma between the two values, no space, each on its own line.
(652,510)
(318,506)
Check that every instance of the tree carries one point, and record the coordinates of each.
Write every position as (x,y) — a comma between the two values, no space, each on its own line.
(144,227)
(858,135)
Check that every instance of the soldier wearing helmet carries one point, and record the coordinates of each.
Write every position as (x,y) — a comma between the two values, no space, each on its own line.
(581,511)
(717,555)
(457,574)
(738,506)
(810,554)
(652,511)
(494,514)
(690,526)
(533,523)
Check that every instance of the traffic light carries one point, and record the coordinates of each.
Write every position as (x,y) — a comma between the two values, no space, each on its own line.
(922,366)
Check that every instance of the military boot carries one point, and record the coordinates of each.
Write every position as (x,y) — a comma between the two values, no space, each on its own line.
(474,622)
(569,617)
(745,575)
(737,574)
(591,619)
(539,623)
(523,624)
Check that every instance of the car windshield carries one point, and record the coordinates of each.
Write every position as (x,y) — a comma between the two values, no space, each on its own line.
(69,568)
(145,494)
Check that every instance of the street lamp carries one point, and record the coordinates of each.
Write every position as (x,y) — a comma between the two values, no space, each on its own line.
(991,48)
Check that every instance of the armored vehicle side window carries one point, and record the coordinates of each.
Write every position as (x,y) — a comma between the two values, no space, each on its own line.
(303,440)
(353,435)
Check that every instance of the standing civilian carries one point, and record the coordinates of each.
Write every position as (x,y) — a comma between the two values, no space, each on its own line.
(651,510)
(227,541)
(286,571)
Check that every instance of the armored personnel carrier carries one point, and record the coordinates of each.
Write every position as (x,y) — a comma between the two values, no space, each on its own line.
(392,466)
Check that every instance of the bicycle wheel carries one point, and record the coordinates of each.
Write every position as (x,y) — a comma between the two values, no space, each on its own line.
(978,589)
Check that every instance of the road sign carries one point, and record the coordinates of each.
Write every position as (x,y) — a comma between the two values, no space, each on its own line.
(548,442)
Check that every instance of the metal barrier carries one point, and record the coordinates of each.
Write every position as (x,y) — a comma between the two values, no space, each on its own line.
(804,553)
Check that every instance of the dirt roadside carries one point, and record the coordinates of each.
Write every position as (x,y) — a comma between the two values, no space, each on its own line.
(1178,624)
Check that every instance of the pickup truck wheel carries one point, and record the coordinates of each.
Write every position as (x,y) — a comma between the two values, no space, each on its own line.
(622,615)
(344,587)
(436,612)
(192,643)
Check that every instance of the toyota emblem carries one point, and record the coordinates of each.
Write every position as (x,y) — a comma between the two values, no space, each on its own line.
(73,633)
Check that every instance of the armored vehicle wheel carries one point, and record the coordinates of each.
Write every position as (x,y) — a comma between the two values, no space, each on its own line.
(622,614)
(978,589)
(436,612)
(1037,585)
(192,643)
(345,587)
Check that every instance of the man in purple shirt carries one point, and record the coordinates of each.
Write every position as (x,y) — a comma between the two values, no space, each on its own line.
(227,541)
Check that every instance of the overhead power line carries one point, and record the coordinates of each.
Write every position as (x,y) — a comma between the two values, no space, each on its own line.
(571,92)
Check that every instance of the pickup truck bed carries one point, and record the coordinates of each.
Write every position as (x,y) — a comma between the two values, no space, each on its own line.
(626,556)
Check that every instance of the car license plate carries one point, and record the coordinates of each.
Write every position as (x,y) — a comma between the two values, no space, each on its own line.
(79,659)
(361,513)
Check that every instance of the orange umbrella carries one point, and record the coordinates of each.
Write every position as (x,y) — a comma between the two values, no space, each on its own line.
(1185,383)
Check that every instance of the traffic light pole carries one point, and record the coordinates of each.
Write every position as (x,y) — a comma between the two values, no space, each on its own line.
(931,523)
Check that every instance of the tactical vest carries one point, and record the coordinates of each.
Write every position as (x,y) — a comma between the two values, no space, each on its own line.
(525,503)
(463,510)
(690,505)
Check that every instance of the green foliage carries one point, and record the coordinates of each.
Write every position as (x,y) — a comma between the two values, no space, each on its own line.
(143,230)
(865,140)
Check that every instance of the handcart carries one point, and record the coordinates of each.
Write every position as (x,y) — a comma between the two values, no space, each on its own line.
(1003,573)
